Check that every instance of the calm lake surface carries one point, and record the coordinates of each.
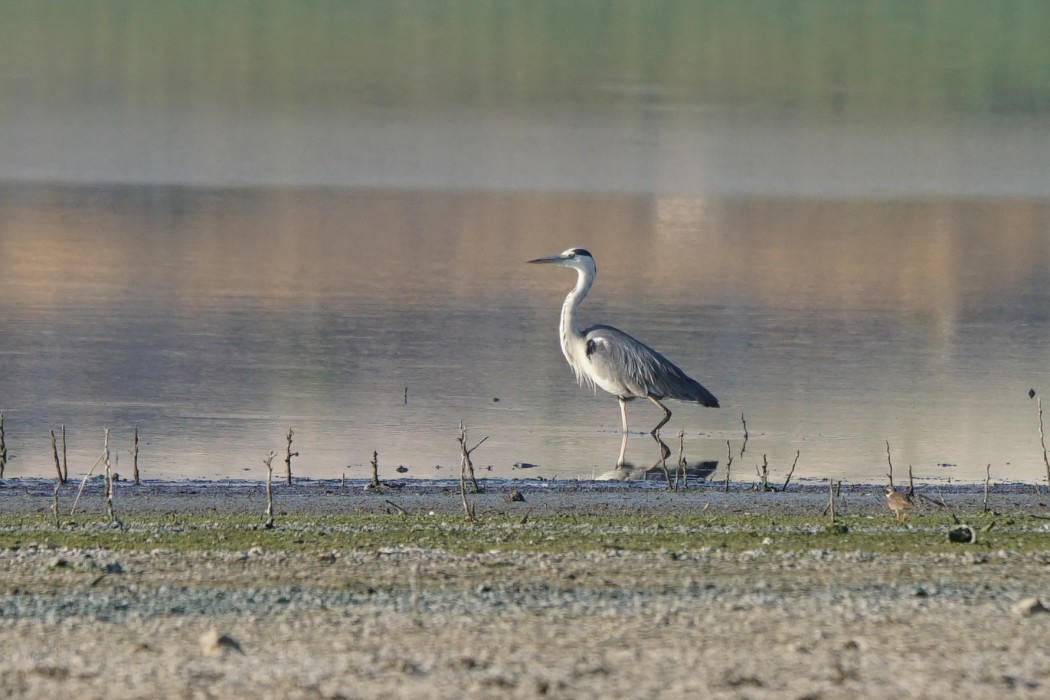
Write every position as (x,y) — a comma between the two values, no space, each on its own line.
(217,224)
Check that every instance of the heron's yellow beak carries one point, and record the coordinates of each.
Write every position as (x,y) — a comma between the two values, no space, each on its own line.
(549,259)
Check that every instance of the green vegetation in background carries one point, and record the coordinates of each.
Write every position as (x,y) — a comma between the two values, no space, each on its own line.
(785,56)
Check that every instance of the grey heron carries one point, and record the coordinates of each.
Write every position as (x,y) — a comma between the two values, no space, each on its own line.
(609,358)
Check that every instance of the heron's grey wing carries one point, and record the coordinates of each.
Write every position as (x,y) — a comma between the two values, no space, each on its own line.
(637,370)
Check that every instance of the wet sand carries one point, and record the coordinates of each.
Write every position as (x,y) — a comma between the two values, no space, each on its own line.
(604,620)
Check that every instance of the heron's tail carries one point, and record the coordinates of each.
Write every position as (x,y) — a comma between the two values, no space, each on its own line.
(692,390)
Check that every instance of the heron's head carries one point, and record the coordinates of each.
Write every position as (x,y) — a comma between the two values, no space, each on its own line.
(576,258)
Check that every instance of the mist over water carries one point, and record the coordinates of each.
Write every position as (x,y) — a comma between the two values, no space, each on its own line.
(300,210)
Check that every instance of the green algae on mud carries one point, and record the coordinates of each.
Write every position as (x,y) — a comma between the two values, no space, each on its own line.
(557,534)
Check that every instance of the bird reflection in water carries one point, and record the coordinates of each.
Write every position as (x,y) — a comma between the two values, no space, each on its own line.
(662,468)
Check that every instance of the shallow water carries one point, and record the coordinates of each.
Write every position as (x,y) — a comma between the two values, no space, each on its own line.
(218,240)
(217,324)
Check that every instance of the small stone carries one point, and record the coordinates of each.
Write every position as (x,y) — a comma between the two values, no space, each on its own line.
(514,496)
(114,567)
(1029,606)
(401,469)
(58,563)
(766,541)
(214,643)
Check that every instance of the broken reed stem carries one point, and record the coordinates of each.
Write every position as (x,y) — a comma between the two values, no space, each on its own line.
(406,395)
(376,483)
(911,483)
(3,447)
(54,453)
(831,498)
(763,473)
(729,465)
(109,481)
(746,436)
(788,479)
(135,456)
(84,483)
(113,479)
(288,457)
(465,463)
(987,478)
(269,488)
(65,462)
(1042,440)
(468,508)
(890,462)
(54,504)
(681,462)
(463,493)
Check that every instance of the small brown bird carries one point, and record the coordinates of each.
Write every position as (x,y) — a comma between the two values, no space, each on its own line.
(898,502)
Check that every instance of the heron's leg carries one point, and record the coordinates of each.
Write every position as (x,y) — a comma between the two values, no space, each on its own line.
(620,461)
(623,412)
(667,416)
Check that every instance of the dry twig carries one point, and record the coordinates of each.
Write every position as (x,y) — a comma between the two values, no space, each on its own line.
(746,436)
(889,461)
(54,453)
(833,493)
(788,479)
(84,483)
(65,463)
(681,463)
(3,447)
(109,484)
(763,474)
(54,504)
(288,457)
(466,465)
(269,488)
(987,478)
(135,457)
(376,483)
(831,499)
(729,465)
(1042,441)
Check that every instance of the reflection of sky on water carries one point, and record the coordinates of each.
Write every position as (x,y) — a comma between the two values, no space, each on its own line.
(832,325)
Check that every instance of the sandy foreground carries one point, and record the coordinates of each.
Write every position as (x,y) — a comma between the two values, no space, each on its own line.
(272,619)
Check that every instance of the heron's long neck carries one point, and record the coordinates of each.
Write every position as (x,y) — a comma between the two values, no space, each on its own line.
(573,345)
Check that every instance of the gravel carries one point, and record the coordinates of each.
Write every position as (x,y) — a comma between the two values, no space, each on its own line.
(408,622)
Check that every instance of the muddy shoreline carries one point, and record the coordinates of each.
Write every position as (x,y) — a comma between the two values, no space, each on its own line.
(313,611)
(34,495)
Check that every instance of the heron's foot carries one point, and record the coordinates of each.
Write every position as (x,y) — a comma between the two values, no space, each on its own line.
(665,451)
